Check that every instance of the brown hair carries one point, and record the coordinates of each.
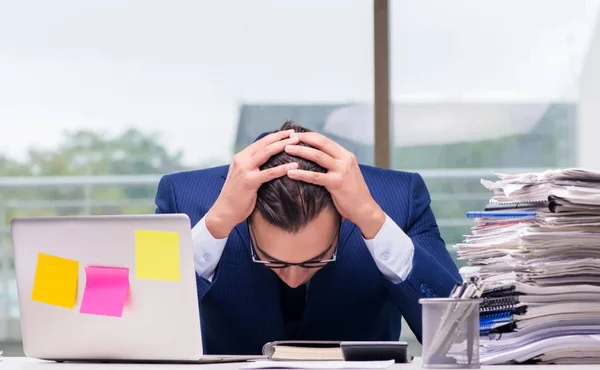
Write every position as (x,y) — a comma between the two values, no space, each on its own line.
(291,204)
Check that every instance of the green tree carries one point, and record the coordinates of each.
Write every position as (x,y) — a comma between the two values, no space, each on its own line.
(89,153)
(96,153)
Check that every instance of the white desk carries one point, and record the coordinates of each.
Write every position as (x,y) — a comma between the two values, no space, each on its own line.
(21,363)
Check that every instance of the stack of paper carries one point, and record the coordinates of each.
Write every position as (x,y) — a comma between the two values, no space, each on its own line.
(538,253)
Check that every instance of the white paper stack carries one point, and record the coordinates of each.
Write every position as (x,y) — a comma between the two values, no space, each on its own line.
(541,267)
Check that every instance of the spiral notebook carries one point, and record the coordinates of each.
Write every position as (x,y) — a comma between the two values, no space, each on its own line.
(515,206)
(499,301)
(498,307)
(514,308)
(499,291)
(501,214)
(496,318)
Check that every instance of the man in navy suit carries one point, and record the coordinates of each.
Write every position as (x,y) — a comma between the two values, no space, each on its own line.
(296,240)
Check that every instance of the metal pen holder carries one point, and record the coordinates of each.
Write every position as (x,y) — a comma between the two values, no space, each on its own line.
(450,334)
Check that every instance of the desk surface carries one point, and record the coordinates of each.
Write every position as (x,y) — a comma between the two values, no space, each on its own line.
(22,363)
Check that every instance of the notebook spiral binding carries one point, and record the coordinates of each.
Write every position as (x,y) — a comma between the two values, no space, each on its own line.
(502,291)
(503,307)
(496,303)
(513,309)
(539,201)
(495,316)
(507,299)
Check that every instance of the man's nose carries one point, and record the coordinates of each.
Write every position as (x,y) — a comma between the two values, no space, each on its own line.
(293,276)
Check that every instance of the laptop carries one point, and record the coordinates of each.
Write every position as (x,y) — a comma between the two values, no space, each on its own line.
(109,288)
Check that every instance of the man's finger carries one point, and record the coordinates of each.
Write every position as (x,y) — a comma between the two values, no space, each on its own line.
(269,139)
(323,143)
(312,154)
(312,177)
(270,150)
(276,172)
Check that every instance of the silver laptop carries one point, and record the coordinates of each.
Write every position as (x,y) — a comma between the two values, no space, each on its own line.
(109,288)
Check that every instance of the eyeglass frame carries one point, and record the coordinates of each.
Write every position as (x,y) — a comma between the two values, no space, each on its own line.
(322,263)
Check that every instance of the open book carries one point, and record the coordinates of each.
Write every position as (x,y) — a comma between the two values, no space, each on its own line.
(303,350)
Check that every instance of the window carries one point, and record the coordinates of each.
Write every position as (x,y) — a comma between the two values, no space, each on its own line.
(99,99)
(481,85)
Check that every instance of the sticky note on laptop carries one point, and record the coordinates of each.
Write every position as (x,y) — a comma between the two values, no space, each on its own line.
(157,255)
(106,290)
(55,280)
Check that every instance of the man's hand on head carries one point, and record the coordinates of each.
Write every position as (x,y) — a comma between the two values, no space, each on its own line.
(238,195)
(343,180)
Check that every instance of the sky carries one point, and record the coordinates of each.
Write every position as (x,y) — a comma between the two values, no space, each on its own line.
(181,69)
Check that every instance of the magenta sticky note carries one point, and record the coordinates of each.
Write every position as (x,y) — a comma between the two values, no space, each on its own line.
(106,289)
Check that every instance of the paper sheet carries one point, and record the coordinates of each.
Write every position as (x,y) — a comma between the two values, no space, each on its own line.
(106,290)
(319,364)
(157,255)
(549,267)
(566,343)
(55,281)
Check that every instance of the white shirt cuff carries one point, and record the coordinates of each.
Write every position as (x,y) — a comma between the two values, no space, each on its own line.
(392,251)
(207,250)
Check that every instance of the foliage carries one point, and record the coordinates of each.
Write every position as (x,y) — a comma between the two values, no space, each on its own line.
(88,153)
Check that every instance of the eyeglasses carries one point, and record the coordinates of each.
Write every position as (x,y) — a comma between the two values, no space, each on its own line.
(277,264)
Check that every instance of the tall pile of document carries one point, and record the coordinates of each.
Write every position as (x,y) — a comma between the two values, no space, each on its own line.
(537,248)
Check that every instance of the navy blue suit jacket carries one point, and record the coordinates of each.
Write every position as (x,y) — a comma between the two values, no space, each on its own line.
(348,300)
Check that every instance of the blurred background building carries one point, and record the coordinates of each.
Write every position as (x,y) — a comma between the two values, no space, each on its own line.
(99,99)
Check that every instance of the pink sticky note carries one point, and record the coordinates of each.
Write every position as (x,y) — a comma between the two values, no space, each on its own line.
(106,290)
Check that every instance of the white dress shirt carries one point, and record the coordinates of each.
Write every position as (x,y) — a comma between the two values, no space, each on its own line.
(391,249)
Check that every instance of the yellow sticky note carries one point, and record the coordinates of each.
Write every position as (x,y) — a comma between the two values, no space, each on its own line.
(55,281)
(157,255)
